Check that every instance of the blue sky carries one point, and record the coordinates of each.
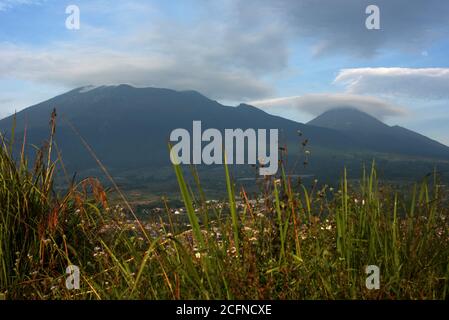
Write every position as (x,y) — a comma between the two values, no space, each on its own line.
(291,58)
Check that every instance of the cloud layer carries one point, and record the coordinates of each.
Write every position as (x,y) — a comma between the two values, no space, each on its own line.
(424,83)
(338,26)
(8,4)
(316,104)
(221,58)
(228,50)
(74,66)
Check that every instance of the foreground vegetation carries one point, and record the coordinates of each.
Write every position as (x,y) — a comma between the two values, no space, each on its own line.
(289,241)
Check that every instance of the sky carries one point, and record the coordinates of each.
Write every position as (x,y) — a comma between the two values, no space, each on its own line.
(293,58)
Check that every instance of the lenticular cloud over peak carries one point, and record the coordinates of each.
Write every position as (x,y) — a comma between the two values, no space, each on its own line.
(315,104)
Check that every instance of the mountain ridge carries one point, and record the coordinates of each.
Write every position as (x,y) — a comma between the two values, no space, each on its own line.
(129,128)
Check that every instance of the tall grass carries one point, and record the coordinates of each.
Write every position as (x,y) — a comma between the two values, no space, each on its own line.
(27,209)
(287,242)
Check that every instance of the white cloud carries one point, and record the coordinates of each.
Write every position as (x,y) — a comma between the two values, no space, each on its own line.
(426,83)
(8,4)
(186,67)
(316,104)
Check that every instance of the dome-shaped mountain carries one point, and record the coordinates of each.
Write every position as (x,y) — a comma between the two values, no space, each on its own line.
(348,119)
(377,136)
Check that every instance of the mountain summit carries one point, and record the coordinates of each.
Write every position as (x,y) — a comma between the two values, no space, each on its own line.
(348,119)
